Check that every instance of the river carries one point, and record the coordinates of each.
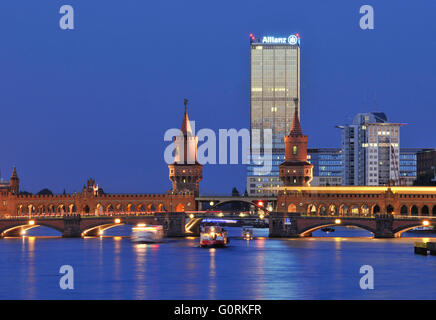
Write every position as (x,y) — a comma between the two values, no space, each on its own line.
(111,267)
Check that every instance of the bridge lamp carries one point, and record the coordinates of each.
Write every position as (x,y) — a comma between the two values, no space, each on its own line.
(23,232)
(31,222)
(211,203)
(261,216)
(426,223)
(338,221)
(117,220)
(191,216)
(260,203)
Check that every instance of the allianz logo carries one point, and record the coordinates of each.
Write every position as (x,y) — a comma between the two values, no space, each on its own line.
(292,39)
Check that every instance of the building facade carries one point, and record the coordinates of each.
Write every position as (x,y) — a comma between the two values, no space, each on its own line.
(327,166)
(371,151)
(426,167)
(274,96)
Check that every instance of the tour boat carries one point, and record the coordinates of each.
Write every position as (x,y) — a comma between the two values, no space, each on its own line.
(247,233)
(213,236)
(146,234)
(328,229)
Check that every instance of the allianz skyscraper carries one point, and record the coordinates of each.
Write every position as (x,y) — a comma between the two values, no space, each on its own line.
(274,95)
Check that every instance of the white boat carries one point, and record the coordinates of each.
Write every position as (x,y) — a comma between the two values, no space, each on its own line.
(147,234)
(247,232)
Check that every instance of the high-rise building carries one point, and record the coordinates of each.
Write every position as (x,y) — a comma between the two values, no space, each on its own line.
(426,167)
(274,96)
(371,151)
(327,166)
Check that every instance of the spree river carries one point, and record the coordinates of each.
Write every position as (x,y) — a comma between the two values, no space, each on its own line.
(325,266)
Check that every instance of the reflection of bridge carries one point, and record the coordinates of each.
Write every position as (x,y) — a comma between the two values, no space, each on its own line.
(286,224)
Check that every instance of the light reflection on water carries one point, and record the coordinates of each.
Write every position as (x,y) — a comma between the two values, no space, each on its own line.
(308,268)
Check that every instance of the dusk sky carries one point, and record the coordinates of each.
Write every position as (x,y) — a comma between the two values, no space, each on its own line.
(96,101)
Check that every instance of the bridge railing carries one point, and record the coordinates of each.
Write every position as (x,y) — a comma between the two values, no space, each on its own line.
(84,215)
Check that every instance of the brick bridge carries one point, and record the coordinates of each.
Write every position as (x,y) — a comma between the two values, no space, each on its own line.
(179,224)
(292,225)
(76,225)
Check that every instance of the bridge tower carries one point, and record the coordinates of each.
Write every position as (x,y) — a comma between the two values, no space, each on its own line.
(14,182)
(186,173)
(295,170)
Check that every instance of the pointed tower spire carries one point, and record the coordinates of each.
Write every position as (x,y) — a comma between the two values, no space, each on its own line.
(14,182)
(186,126)
(14,173)
(296,126)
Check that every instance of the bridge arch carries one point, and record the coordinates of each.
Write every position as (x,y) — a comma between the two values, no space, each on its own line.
(311,209)
(24,225)
(85,208)
(414,210)
(322,209)
(215,206)
(434,210)
(365,210)
(292,208)
(404,211)
(390,208)
(425,211)
(343,209)
(332,210)
(375,209)
(98,229)
(399,231)
(308,230)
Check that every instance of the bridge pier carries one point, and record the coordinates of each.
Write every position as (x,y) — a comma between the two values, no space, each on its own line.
(283,225)
(72,226)
(384,226)
(174,224)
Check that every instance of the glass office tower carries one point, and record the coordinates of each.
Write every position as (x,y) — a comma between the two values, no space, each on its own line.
(275,93)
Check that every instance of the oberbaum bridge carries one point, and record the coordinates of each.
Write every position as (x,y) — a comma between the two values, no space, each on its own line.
(296,211)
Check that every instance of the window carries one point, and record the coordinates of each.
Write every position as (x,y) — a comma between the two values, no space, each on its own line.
(294,150)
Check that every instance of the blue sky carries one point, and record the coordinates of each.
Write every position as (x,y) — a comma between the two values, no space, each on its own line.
(96,101)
